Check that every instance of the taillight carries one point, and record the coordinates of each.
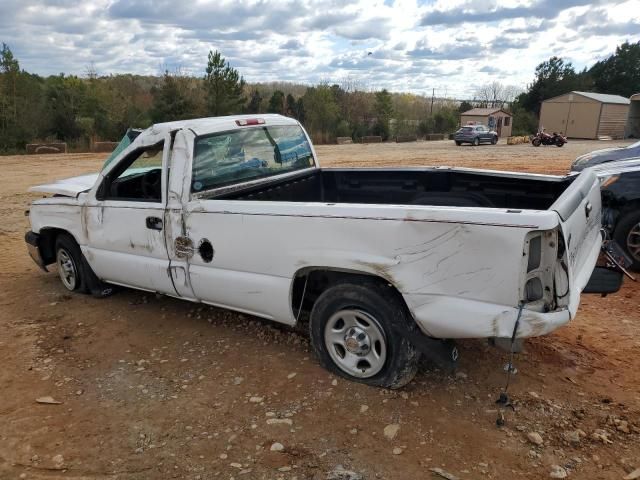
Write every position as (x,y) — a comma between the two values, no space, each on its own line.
(250,121)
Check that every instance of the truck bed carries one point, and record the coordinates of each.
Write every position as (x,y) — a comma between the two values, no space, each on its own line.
(424,186)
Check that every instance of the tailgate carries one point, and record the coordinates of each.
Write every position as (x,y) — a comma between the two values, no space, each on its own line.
(579,209)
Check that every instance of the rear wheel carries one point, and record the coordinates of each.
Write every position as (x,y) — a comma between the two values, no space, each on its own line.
(627,234)
(355,334)
(559,142)
(476,142)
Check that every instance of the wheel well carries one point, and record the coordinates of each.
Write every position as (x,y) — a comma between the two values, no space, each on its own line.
(310,283)
(630,206)
(622,211)
(47,243)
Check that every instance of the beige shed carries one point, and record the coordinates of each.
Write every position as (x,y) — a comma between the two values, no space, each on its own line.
(494,118)
(585,115)
(633,119)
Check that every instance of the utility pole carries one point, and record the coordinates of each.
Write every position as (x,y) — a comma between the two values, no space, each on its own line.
(433,94)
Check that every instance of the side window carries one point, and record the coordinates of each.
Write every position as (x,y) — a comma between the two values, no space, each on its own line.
(507,121)
(137,177)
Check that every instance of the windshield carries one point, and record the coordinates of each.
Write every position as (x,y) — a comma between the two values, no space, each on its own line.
(128,138)
(226,158)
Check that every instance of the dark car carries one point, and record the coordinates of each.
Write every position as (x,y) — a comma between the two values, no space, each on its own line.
(620,190)
(475,135)
(606,155)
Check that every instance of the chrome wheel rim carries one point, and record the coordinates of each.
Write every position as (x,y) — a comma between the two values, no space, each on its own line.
(633,241)
(356,343)
(66,269)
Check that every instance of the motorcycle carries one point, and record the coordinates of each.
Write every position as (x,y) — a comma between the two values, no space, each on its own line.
(543,138)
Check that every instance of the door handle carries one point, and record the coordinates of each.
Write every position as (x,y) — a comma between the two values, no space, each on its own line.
(154,223)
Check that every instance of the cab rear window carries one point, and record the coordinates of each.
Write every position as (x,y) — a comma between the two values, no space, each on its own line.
(227,158)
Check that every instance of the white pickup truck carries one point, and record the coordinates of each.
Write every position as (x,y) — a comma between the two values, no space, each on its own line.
(236,212)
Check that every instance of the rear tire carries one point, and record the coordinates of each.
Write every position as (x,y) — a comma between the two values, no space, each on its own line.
(559,142)
(627,234)
(476,142)
(355,334)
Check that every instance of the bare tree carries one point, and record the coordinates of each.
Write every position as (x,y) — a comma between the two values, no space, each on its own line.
(496,95)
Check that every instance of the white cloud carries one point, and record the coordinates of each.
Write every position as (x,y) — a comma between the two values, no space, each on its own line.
(450,45)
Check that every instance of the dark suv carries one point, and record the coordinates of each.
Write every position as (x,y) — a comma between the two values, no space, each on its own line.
(475,135)
(621,207)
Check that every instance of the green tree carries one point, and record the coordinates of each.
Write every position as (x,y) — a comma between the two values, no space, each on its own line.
(320,113)
(445,120)
(620,73)
(383,108)
(255,102)
(464,106)
(64,99)
(276,102)
(290,109)
(553,77)
(300,111)
(524,122)
(170,100)
(224,86)
(9,71)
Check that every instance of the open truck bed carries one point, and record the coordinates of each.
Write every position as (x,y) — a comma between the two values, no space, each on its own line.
(442,186)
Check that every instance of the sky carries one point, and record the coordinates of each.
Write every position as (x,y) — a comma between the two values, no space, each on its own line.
(452,46)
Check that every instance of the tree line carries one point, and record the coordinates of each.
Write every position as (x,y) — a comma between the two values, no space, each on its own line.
(80,110)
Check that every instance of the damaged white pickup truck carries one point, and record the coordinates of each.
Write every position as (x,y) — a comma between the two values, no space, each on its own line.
(236,212)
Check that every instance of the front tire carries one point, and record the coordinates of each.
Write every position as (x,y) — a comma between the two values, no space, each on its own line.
(458,143)
(355,334)
(476,142)
(74,270)
(69,263)
(536,142)
(627,234)
(494,140)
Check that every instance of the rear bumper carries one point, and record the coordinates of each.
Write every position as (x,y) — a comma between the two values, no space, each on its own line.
(454,317)
(33,247)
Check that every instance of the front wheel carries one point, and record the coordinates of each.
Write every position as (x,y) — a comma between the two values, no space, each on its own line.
(74,271)
(69,263)
(355,334)
(458,143)
(494,140)
(476,142)
(627,234)
(536,142)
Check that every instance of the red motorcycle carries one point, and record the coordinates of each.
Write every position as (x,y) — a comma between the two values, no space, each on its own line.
(543,138)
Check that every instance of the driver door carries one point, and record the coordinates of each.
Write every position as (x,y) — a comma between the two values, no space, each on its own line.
(124,223)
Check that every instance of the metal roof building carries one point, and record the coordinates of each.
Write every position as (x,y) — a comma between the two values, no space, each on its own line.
(585,115)
(633,119)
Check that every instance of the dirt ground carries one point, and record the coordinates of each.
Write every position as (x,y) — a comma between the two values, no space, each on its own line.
(155,388)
